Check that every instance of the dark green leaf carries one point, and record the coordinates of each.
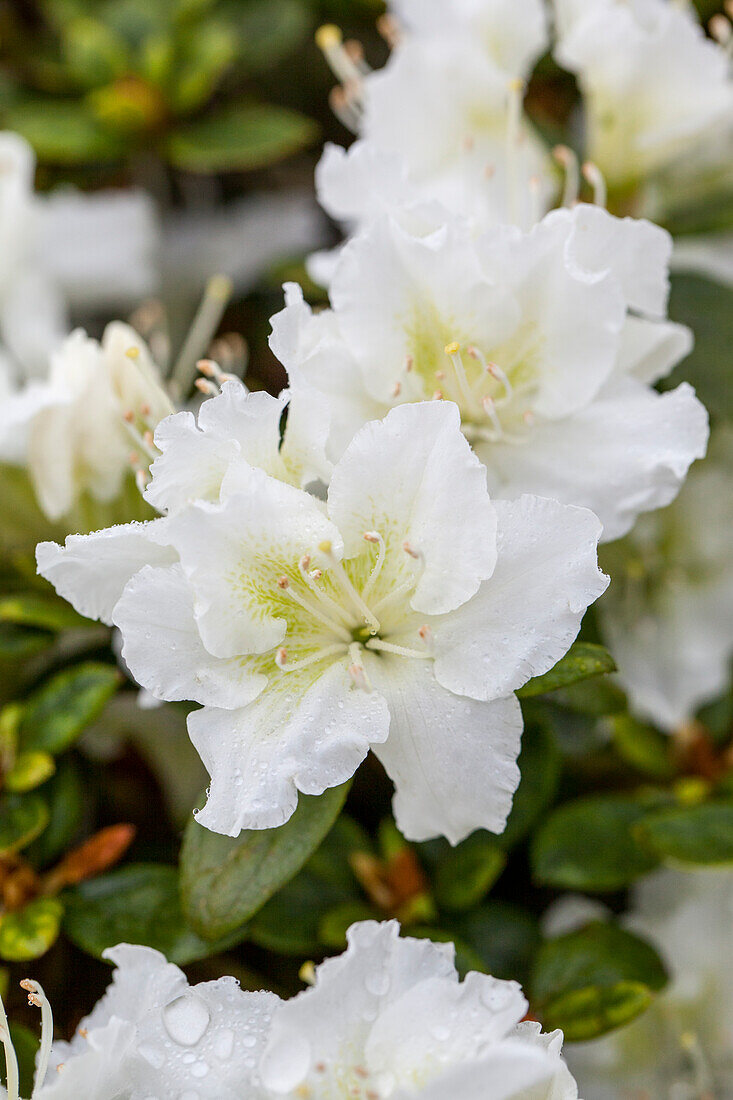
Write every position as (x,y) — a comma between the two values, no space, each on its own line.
(21,642)
(690,834)
(63,132)
(240,139)
(29,932)
(333,925)
(64,796)
(138,903)
(588,1013)
(466,958)
(504,935)
(225,880)
(589,845)
(582,661)
(642,746)
(592,699)
(281,24)
(539,768)
(22,818)
(44,612)
(463,875)
(66,704)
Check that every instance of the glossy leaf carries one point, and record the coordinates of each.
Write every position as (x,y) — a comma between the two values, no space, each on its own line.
(66,704)
(28,933)
(504,935)
(698,835)
(22,818)
(29,770)
(241,138)
(225,880)
(539,768)
(582,661)
(63,132)
(464,875)
(589,845)
(584,1014)
(64,796)
(138,903)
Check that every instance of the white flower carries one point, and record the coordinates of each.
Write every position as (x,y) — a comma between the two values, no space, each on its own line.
(668,615)
(389,1019)
(654,87)
(442,121)
(65,249)
(547,341)
(83,423)
(154,1037)
(401,615)
(682,1047)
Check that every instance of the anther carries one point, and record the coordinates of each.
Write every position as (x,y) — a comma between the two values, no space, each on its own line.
(593,175)
(397,389)
(372,536)
(38,998)
(410,549)
(390,30)
(437,395)
(409,363)
(133,353)
(720,29)
(281,657)
(209,389)
(283,582)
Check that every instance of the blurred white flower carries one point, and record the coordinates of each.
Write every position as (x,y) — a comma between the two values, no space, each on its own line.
(153,1035)
(401,615)
(547,341)
(389,1019)
(668,615)
(442,121)
(64,250)
(81,426)
(682,1047)
(655,89)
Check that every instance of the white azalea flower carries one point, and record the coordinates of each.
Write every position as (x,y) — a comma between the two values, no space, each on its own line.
(61,250)
(654,87)
(389,1019)
(401,615)
(442,121)
(682,1047)
(668,615)
(547,341)
(81,425)
(153,1037)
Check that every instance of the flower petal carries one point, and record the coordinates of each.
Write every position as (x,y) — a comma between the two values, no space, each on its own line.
(523,620)
(452,759)
(413,478)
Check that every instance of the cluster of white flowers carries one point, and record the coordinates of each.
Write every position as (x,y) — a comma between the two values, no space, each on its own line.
(387,1020)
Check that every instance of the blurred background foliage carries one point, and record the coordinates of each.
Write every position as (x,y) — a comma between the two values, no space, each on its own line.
(201,102)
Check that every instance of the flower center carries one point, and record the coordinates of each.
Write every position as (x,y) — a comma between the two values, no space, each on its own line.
(347,607)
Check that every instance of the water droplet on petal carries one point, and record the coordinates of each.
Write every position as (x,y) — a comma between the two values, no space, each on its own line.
(186,1019)
(223,1044)
(377,983)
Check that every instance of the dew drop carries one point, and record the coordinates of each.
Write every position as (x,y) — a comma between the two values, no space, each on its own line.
(223,1044)
(186,1019)
(377,983)
(152,1054)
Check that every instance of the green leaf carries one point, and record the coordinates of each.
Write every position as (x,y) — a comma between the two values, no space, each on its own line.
(64,797)
(589,845)
(63,132)
(138,903)
(65,705)
(44,612)
(697,835)
(707,307)
(592,699)
(333,926)
(21,642)
(22,818)
(29,770)
(463,875)
(282,24)
(29,932)
(582,661)
(594,979)
(240,138)
(291,921)
(539,767)
(504,935)
(588,1013)
(642,746)
(225,880)
(466,958)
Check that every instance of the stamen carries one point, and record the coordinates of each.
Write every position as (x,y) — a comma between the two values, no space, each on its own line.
(399,650)
(345,110)
(284,585)
(11,1061)
(348,588)
(535,210)
(38,998)
(205,323)
(426,635)
(390,30)
(410,549)
(721,30)
(393,595)
(286,665)
(397,389)
(307,975)
(490,410)
(133,353)
(357,672)
(374,537)
(141,441)
(207,388)
(568,161)
(211,369)
(593,175)
(453,351)
(355,52)
(496,372)
(330,42)
(310,576)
